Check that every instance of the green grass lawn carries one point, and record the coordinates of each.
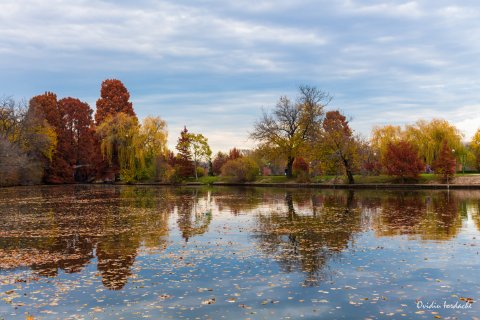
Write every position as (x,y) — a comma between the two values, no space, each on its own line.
(330,179)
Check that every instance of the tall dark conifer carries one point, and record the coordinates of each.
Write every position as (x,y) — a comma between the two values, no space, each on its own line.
(184,156)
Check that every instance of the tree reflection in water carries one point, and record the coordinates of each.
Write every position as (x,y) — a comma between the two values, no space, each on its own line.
(111,222)
(306,241)
(428,216)
(194,212)
(63,228)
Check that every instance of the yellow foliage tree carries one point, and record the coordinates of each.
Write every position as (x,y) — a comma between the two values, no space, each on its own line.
(131,146)
(429,137)
(153,135)
(475,148)
(383,136)
(122,144)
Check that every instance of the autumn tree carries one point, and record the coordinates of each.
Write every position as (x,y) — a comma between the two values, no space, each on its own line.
(234,153)
(475,148)
(383,136)
(200,150)
(27,143)
(220,159)
(241,169)
(445,164)
(291,124)
(58,170)
(428,137)
(79,145)
(12,162)
(402,160)
(153,136)
(121,142)
(114,98)
(184,161)
(337,141)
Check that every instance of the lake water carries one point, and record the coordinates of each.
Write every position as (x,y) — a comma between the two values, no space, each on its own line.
(135,252)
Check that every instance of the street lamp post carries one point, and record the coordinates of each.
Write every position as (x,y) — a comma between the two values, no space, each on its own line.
(448,186)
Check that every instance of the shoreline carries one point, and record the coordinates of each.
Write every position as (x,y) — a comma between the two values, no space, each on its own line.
(366,186)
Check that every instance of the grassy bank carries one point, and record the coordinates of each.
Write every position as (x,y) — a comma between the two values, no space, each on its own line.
(468,178)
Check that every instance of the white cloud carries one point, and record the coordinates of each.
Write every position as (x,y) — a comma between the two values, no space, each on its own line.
(409,9)
(385,61)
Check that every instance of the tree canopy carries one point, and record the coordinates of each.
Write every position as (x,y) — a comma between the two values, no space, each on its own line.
(291,124)
(114,98)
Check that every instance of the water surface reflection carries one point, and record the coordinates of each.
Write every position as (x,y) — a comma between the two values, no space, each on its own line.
(306,238)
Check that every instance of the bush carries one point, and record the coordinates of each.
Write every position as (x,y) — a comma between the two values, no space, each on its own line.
(402,160)
(446,164)
(172,175)
(300,167)
(240,170)
(200,172)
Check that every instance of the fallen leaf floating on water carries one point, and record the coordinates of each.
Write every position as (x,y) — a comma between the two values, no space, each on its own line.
(209,301)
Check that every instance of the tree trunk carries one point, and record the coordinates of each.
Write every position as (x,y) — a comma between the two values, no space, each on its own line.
(195,165)
(290,166)
(350,177)
(348,170)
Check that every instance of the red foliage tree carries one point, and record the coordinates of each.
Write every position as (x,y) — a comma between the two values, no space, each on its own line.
(446,163)
(300,166)
(46,105)
(58,170)
(114,98)
(402,160)
(221,158)
(217,164)
(234,154)
(338,141)
(76,144)
(81,148)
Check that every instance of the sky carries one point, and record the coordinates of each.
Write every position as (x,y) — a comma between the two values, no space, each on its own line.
(212,65)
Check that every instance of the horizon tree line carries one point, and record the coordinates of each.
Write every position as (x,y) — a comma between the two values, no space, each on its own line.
(53,140)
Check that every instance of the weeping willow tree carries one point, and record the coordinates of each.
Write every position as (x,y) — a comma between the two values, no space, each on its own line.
(122,144)
(429,138)
(134,148)
(153,136)
(383,136)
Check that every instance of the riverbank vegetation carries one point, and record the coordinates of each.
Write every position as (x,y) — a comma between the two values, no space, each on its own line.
(51,140)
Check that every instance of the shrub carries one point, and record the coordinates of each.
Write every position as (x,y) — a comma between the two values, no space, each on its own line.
(402,160)
(300,167)
(240,170)
(200,172)
(446,164)
(218,162)
(172,175)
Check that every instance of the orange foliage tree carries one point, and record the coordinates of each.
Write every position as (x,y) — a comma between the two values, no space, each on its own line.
(58,170)
(72,122)
(81,148)
(339,143)
(402,160)
(114,98)
(222,158)
(445,164)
